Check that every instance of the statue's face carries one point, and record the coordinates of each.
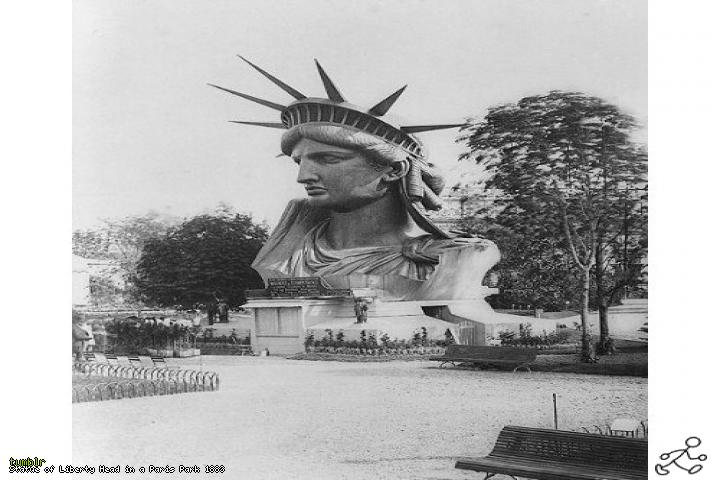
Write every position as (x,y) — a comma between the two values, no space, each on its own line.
(337,178)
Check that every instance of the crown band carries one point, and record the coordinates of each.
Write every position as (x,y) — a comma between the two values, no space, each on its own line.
(318,110)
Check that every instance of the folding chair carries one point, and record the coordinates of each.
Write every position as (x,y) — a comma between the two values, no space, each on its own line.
(626,427)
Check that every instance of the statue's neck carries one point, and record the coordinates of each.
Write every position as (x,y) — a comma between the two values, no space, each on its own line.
(381,223)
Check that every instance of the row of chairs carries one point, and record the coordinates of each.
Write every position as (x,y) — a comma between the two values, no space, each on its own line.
(133,360)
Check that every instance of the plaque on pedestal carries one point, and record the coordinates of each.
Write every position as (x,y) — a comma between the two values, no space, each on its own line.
(297,287)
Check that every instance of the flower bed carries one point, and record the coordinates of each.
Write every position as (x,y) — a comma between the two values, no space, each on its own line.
(339,357)
(224,349)
(377,351)
(371,343)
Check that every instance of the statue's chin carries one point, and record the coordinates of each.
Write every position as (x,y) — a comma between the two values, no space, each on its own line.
(345,206)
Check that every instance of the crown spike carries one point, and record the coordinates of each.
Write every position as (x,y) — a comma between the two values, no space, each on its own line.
(427,128)
(332,91)
(276,81)
(261,124)
(266,103)
(383,106)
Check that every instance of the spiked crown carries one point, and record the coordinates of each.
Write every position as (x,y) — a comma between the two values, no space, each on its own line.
(335,110)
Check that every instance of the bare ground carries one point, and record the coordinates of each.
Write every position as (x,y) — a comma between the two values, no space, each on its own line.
(287,419)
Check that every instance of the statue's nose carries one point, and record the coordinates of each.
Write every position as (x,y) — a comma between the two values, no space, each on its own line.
(306,172)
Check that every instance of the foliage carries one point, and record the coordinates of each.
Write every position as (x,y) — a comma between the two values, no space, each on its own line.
(209,337)
(506,337)
(531,272)
(203,260)
(607,346)
(565,167)
(120,242)
(104,290)
(368,341)
(134,337)
(527,339)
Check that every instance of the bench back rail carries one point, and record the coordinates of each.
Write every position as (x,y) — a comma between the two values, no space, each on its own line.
(571,447)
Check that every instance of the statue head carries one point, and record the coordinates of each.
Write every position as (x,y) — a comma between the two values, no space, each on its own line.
(342,169)
(381,155)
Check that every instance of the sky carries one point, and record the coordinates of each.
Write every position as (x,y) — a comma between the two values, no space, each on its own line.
(150,134)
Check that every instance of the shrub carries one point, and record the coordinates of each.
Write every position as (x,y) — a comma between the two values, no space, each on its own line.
(527,339)
(605,348)
(506,337)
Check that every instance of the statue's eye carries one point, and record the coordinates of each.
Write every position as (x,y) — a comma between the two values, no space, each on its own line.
(330,159)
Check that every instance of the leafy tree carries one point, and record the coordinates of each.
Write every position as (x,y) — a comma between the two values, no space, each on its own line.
(620,253)
(564,162)
(120,241)
(204,259)
(530,272)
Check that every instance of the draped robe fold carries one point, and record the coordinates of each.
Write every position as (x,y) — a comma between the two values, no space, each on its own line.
(421,268)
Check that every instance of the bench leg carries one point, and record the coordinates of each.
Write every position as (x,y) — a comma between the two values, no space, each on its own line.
(526,367)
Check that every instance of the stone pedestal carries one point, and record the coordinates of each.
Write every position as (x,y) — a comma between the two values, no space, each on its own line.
(281,324)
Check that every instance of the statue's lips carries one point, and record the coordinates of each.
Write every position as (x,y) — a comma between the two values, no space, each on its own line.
(312,191)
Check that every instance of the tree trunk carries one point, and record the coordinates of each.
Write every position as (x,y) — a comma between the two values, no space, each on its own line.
(605,344)
(587,354)
(605,340)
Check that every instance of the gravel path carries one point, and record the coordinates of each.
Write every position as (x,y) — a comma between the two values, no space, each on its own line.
(285,419)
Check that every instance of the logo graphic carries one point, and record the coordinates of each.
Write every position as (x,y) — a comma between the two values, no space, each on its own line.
(675,455)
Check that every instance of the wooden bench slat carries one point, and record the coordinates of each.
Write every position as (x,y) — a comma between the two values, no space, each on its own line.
(559,455)
(546,470)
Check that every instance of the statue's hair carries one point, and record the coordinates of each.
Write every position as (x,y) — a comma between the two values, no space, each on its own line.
(377,150)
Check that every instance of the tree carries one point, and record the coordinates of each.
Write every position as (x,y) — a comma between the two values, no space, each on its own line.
(202,260)
(564,162)
(120,241)
(620,254)
(532,271)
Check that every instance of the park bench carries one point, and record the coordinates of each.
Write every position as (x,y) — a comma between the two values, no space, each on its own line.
(160,362)
(245,349)
(560,455)
(134,360)
(89,356)
(476,355)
